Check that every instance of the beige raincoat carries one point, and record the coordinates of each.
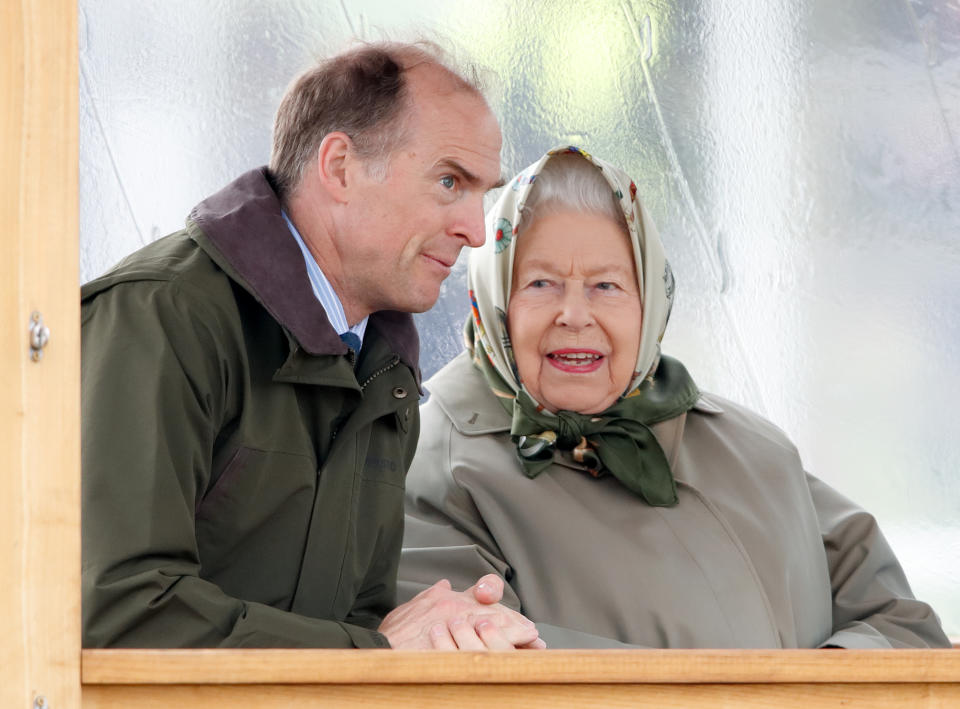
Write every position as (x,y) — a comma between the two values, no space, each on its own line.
(757,554)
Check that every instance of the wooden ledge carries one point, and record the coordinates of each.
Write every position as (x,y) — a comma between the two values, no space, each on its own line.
(365,667)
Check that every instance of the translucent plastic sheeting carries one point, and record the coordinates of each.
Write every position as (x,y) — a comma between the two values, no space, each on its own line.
(800,157)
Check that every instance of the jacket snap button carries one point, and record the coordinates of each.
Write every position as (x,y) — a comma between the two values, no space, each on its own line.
(399,393)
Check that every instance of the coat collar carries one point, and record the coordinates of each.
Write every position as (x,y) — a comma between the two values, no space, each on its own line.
(242,228)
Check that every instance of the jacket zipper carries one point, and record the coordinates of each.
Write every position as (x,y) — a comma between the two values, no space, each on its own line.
(394,361)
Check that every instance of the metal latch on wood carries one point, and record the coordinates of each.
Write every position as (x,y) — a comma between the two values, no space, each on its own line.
(39,337)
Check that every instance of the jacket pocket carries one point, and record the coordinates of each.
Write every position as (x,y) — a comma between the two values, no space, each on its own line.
(252,525)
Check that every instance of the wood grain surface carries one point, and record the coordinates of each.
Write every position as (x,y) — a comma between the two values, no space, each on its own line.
(39,401)
(485,696)
(526,667)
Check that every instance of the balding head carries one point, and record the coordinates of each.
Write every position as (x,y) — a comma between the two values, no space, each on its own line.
(364,93)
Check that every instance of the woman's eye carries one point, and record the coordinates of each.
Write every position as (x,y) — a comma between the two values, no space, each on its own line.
(448,181)
(607,285)
(539,283)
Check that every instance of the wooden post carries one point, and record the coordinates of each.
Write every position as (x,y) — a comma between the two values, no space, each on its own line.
(39,400)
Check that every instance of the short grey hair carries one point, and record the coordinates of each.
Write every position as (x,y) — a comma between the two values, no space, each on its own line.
(362,92)
(569,181)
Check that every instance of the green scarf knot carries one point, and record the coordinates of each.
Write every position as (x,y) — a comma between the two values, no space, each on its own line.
(615,442)
(571,428)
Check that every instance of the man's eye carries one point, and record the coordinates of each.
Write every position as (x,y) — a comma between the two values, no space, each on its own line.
(539,283)
(448,181)
(607,285)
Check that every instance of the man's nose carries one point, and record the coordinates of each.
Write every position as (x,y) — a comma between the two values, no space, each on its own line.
(470,223)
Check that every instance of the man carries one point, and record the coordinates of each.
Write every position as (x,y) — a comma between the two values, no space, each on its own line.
(250,383)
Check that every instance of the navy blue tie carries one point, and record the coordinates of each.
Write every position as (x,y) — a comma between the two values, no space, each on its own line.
(352,340)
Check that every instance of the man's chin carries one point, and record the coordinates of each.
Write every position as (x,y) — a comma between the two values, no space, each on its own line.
(416,302)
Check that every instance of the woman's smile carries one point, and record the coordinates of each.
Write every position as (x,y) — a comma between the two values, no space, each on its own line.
(576,361)
(574,313)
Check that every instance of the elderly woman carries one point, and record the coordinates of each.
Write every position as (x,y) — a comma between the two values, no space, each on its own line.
(622,505)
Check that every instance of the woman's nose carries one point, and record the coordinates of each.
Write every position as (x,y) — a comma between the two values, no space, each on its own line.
(575,309)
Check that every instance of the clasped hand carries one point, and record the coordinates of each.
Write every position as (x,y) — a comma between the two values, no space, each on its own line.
(440,618)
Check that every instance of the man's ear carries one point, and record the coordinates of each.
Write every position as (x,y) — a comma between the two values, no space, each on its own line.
(333,158)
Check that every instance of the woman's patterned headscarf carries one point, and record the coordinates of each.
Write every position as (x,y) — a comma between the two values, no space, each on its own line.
(660,387)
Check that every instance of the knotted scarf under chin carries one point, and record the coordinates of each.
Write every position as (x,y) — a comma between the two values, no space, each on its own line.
(617,441)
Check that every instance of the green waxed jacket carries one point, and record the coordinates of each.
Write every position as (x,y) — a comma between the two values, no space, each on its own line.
(242,480)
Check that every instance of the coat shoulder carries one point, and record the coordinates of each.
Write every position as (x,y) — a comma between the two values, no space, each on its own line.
(174,274)
(461,393)
(174,259)
(725,415)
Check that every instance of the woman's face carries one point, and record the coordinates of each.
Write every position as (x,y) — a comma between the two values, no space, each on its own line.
(574,313)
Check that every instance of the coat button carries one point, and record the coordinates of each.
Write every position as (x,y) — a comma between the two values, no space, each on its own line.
(399,393)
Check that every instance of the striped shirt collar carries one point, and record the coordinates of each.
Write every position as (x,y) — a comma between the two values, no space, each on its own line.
(324,291)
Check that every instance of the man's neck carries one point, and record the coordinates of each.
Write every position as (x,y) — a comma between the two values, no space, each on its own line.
(316,229)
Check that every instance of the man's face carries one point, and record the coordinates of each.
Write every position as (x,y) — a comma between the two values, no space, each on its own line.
(404,232)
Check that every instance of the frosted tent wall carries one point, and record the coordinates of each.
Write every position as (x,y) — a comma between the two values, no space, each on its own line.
(799,156)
